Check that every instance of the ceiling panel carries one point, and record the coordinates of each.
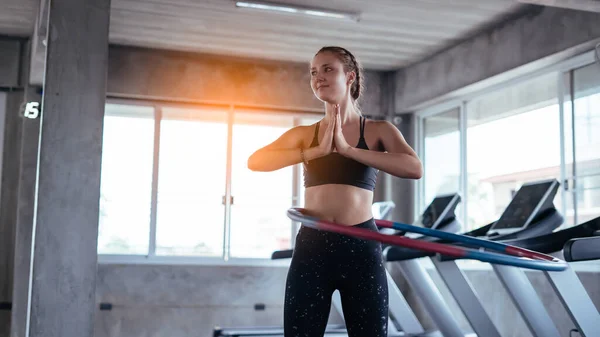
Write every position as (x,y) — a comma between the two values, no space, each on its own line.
(390,33)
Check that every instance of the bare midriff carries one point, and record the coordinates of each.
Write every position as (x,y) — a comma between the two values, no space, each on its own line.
(341,204)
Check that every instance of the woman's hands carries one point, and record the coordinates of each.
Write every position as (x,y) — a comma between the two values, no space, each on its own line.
(333,139)
(340,144)
(327,145)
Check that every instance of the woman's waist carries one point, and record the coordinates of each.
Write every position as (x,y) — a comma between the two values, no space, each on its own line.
(342,204)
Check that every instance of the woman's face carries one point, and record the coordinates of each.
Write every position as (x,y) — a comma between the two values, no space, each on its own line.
(328,80)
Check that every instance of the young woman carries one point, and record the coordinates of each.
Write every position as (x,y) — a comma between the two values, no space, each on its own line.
(342,155)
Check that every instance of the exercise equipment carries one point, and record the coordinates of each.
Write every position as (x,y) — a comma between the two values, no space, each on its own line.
(577,243)
(530,213)
(583,249)
(513,256)
(533,231)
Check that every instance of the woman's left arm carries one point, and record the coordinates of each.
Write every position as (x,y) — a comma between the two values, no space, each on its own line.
(399,160)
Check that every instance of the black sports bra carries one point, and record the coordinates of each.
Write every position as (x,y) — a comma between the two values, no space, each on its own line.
(337,169)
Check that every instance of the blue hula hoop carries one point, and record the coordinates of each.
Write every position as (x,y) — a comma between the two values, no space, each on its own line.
(509,255)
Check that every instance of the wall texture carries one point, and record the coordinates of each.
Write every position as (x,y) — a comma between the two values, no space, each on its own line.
(10,58)
(543,36)
(8,196)
(178,301)
(177,76)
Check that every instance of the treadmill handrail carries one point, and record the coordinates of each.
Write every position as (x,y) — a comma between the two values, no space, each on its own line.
(582,249)
(555,242)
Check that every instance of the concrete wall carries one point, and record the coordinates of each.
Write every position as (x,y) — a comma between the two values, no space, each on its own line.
(542,37)
(198,78)
(10,55)
(178,301)
(5,298)
(8,197)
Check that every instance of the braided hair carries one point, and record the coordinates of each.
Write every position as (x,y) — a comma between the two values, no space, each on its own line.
(350,64)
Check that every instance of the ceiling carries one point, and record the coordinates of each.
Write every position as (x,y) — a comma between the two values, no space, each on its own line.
(389,35)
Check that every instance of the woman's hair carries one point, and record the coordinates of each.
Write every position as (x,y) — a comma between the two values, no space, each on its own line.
(350,64)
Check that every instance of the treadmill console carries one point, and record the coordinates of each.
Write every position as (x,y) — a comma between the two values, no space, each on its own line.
(438,211)
(531,200)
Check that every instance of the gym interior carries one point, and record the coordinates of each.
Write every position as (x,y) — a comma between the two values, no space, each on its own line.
(127,208)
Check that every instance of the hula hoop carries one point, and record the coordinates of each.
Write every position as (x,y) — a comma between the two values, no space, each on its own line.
(511,255)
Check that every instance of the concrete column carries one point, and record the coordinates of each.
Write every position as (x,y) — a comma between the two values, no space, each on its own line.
(403,190)
(30,132)
(8,198)
(63,278)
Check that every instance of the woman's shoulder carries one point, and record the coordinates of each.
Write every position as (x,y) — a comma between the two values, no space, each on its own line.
(378,124)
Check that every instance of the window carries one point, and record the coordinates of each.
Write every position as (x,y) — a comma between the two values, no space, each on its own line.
(512,138)
(166,172)
(259,224)
(532,130)
(582,139)
(441,147)
(126,179)
(191,182)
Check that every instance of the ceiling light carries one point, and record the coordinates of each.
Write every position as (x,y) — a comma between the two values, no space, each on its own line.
(294,9)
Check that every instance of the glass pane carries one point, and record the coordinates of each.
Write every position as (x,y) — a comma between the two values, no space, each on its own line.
(512,138)
(442,155)
(259,224)
(126,179)
(585,154)
(191,184)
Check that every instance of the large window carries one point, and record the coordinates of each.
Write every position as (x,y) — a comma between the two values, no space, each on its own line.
(175,183)
(512,138)
(582,143)
(126,180)
(441,155)
(191,182)
(259,224)
(516,134)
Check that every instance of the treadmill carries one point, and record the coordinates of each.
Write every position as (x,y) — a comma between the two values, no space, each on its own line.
(402,321)
(577,243)
(530,213)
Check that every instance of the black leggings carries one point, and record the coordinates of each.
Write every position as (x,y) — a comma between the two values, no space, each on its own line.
(326,261)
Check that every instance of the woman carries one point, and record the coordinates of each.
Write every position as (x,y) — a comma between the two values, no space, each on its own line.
(339,179)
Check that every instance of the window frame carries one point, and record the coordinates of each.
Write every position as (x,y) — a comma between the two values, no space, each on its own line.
(561,71)
(196,110)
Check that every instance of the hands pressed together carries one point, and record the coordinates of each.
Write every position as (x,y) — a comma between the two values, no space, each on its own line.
(333,140)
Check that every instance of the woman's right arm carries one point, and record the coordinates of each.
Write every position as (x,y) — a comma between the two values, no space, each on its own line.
(284,151)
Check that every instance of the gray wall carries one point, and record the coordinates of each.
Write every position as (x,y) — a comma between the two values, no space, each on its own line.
(158,301)
(197,78)
(4,253)
(10,55)
(2,122)
(8,197)
(543,36)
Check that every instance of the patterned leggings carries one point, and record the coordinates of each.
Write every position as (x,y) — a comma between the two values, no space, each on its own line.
(326,261)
